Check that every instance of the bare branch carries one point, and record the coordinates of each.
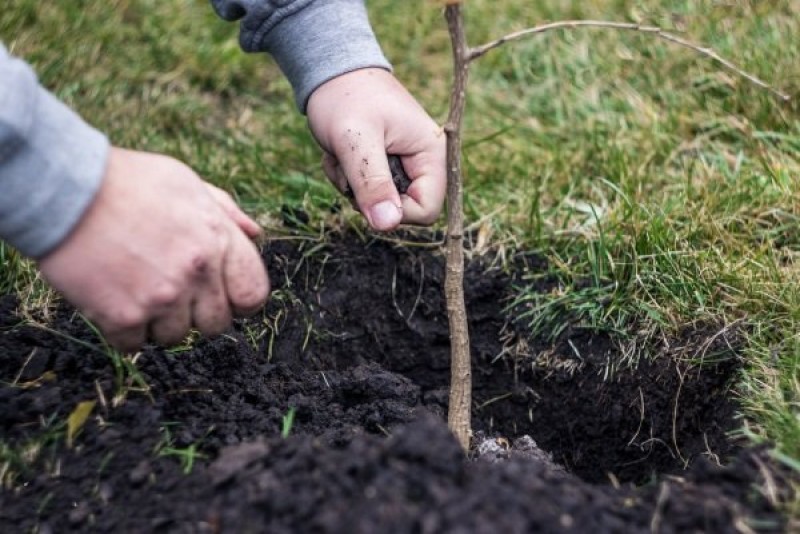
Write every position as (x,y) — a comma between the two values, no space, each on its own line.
(478,51)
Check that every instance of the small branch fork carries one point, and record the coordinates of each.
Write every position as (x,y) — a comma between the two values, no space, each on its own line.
(478,51)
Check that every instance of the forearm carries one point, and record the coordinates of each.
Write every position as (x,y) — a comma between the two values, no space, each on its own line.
(312,41)
(51,162)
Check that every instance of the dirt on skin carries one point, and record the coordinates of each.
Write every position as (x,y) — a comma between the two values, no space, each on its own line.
(355,343)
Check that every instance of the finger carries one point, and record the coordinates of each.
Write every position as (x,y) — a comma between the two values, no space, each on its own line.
(242,220)
(172,326)
(245,278)
(210,309)
(362,157)
(424,199)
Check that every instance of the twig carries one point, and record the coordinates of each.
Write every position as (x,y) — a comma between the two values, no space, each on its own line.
(675,415)
(478,51)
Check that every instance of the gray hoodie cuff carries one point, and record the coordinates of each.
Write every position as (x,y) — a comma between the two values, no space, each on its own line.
(323,40)
(51,166)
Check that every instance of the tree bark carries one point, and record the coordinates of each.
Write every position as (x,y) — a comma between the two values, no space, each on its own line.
(459,414)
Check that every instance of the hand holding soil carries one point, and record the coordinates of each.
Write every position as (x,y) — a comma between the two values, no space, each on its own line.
(142,267)
(358,118)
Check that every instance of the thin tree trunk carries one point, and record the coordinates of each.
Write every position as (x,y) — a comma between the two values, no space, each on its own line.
(459,415)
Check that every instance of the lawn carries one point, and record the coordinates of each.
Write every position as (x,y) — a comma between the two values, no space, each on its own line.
(661,192)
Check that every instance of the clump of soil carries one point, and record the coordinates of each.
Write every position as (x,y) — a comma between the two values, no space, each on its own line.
(355,343)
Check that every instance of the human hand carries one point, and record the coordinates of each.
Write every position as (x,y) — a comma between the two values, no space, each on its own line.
(361,116)
(158,252)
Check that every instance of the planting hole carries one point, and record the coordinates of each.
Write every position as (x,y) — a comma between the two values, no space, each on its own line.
(380,316)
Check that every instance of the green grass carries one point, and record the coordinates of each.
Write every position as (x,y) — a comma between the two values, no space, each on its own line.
(18,275)
(663,190)
(36,452)
(287,422)
(15,269)
(127,377)
(187,455)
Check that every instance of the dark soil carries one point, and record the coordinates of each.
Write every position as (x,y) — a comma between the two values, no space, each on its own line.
(355,341)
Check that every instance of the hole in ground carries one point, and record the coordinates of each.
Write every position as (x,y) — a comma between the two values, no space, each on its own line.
(356,339)
(361,304)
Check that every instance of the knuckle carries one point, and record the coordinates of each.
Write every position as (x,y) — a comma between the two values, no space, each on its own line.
(176,166)
(199,263)
(165,295)
(210,232)
(216,192)
(225,196)
(215,224)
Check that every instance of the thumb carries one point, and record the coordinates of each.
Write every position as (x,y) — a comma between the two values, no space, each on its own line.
(365,168)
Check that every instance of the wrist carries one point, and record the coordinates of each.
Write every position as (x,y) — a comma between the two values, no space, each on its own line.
(343,42)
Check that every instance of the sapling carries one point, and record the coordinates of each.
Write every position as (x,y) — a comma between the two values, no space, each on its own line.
(461,375)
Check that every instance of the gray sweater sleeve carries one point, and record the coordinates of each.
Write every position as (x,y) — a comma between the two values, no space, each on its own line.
(51,162)
(311,40)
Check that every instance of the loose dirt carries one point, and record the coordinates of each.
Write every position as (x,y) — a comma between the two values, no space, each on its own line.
(355,342)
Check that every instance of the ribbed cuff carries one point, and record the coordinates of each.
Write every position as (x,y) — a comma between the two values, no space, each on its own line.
(50,176)
(322,41)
